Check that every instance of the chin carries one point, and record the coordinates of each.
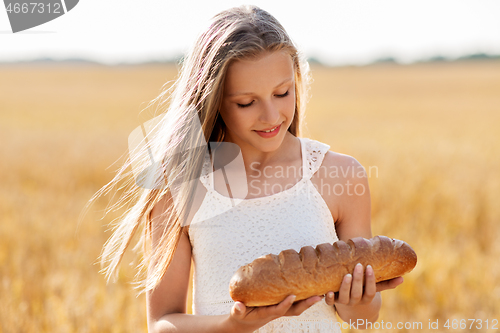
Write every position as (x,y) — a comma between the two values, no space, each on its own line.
(270,145)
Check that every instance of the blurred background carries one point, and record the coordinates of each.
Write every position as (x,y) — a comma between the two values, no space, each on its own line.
(411,88)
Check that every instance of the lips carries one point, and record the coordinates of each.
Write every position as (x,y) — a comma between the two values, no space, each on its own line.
(269,129)
(269,134)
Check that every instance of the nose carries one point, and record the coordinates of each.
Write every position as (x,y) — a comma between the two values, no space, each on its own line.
(270,114)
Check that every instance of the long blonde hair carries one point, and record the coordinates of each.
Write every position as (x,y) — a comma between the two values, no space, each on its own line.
(190,121)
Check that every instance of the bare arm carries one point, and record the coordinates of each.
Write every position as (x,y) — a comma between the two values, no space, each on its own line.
(355,221)
(352,210)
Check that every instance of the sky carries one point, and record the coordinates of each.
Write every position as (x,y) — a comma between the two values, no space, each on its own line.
(338,32)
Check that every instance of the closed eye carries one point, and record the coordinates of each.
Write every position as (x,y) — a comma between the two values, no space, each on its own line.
(283,95)
(245,105)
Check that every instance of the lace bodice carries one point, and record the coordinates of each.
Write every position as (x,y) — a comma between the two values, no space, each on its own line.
(291,219)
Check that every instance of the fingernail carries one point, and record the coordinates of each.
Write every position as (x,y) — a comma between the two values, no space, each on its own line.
(239,307)
(330,294)
(293,299)
(369,270)
(348,277)
(359,268)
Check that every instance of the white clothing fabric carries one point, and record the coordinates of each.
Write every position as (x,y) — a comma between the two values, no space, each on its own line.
(291,219)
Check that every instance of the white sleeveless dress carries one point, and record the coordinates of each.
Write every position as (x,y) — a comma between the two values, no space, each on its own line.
(291,219)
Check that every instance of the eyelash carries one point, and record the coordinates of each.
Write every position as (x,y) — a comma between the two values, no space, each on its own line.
(249,104)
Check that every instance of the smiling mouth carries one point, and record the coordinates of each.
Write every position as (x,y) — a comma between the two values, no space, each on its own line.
(271,130)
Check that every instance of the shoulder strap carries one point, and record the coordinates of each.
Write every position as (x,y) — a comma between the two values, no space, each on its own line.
(206,176)
(314,153)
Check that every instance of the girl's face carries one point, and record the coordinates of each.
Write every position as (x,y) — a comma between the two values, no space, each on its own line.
(259,95)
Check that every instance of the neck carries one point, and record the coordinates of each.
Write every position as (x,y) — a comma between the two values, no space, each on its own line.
(257,159)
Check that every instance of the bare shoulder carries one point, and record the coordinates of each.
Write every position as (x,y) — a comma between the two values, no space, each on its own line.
(347,165)
(339,168)
(159,218)
(166,203)
(342,182)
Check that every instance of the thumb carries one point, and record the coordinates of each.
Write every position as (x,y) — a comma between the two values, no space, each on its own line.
(239,308)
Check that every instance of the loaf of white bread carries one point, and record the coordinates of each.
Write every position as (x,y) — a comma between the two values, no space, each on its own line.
(271,278)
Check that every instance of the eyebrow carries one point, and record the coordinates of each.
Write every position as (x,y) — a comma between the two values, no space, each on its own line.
(249,93)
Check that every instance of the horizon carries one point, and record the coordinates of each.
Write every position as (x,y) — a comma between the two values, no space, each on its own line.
(312,60)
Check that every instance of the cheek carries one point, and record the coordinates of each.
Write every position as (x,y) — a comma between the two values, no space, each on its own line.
(235,118)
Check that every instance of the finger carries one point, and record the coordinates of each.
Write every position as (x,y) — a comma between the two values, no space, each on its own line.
(268,312)
(389,284)
(345,290)
(238,310)
(330,298)
(285,305)
(370,285)
(302,305)
(357,284)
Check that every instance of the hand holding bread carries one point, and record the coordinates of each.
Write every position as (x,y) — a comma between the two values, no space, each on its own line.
(315,271)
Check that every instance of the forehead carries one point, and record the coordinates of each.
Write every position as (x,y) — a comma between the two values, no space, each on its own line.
(264,71)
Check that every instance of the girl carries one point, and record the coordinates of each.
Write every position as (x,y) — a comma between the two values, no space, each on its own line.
(242,85)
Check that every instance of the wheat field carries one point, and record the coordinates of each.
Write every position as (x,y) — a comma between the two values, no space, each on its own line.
(429,134)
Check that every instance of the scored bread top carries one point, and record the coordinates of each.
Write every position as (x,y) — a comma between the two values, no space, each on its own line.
(315,271)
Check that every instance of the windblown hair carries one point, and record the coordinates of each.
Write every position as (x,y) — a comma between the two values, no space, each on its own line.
(190,120)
